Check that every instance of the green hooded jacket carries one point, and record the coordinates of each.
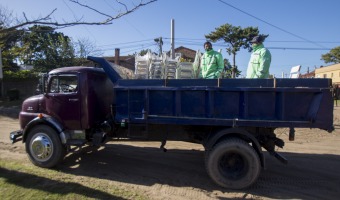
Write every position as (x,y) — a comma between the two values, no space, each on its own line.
(259,63)
(212,65)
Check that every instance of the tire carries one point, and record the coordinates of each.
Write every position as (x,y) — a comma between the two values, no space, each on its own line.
(44,147)
(233,164)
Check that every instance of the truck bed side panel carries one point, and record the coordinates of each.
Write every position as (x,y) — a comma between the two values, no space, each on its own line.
(227,102)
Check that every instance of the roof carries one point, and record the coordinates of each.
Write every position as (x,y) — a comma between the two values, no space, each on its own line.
(328,68)
(125,61)
(186,52)
(308,75)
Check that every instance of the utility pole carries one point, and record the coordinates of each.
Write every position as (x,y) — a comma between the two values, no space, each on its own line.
(172,38)
(160,43)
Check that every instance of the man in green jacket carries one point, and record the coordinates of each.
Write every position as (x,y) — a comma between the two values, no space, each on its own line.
(212,63)
(260,59)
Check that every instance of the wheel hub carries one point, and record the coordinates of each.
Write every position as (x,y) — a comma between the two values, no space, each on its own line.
(41,148)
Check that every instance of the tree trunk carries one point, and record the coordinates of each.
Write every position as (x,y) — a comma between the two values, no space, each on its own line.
(233,70)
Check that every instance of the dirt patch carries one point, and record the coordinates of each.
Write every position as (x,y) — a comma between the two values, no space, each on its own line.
(312,171)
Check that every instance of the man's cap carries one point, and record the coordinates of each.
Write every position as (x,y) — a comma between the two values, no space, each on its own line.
(207,42)
(257,39)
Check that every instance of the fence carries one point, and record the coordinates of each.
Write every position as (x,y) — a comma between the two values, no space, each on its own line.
(26,87)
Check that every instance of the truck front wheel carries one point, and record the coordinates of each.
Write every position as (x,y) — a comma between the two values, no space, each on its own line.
(44,147)
(233,164)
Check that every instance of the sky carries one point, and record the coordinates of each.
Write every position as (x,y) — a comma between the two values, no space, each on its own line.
(300,31)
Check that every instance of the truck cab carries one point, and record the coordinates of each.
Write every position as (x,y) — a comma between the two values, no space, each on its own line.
(75,102)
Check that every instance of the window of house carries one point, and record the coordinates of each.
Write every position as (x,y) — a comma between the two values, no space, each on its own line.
(325,75)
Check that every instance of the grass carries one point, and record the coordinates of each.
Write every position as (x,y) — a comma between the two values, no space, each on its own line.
(25,181)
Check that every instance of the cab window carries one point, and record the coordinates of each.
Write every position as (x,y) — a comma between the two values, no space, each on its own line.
(63,84)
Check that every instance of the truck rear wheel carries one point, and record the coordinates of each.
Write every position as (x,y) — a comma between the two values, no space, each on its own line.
(233,164)
(44,147)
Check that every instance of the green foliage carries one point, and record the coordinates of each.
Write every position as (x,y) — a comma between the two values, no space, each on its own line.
(228,70)
(18,75)
(40,46)
(142,52)
(46,49)
(235,37)
(333,56)
(9,48)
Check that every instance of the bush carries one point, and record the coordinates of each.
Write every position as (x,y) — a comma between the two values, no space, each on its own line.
(13,94)
(23,74)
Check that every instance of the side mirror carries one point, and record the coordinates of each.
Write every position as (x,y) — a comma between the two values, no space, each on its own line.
(42,85)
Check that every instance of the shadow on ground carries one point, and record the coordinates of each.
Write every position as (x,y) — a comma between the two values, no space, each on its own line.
(306,176)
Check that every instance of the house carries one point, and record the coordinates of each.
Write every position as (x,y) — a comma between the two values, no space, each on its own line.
(186,53)
(308,75)
(331,71)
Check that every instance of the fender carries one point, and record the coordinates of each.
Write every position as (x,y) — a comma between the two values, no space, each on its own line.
(47,121)
(234,132)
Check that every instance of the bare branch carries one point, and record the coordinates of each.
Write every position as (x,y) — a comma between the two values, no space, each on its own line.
(126,9)
(25,17)
(47,20)
(88,7)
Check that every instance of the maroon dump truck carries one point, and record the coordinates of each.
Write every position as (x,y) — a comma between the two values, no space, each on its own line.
(234,119)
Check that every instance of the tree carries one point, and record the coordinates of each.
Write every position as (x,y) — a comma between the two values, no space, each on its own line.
(236,38)
(8,41)
(49,19)
(141,52)
(46,49)
(83,48)
(13,28)
(228,70)
(333,56)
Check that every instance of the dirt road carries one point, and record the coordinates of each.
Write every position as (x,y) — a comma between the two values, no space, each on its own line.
(313,171)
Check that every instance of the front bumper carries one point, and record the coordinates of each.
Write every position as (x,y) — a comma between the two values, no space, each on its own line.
(15,136)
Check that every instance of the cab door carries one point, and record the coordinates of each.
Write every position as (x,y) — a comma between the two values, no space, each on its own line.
(63,100)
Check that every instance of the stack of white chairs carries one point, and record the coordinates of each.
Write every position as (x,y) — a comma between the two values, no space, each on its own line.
(185,70)
(156,69)
(170,67)
(142,64)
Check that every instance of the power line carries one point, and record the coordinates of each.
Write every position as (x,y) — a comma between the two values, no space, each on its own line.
(142,44)
(124,43)
(187,41)
(290,33)
(130,46)
(325,42)
(134,50)
(75,17)
(125,19)
(298,48)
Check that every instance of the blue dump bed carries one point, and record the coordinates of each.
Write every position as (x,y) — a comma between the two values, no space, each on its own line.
(226,102)
(223,102)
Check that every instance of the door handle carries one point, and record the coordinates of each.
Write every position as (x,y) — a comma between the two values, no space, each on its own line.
(73,100)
